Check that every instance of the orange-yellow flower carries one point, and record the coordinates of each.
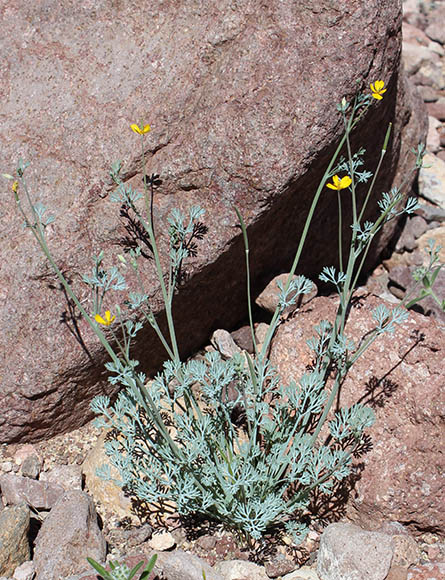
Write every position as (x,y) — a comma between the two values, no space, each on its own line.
(140,130)
(377,89)
(338,183)
(15,186)
(105,321)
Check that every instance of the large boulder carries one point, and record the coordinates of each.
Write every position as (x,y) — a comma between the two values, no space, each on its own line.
(397,478)
(241,98)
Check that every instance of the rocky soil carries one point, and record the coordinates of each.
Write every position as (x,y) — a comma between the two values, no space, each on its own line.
(56,512)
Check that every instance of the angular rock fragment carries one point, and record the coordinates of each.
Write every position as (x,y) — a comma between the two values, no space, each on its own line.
(349,553)
(68,535)
(14,542)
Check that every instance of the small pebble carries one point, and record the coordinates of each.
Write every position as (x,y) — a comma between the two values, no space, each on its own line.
(25,571)
(206,542)
(6,467)
(433,552)
(162,542)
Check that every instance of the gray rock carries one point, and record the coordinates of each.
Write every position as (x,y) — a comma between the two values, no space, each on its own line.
(68,476)
(433,136)
(401,276)
(31,467)
(240,570)
(14,543)
(162,542)
(412,14)
(431,213)
(25,571)
(243,338)
(415,56)
(349,553)
(432,180)
(406,551)
(7,466)
(269,297)
(224,343)
(436,29)
(432,70)
(38,494)
(179,565)
(279,566)
(414,228)
(261,329)
(68,535)
(304,573)
(130,538)
(437,109)
(417,225)
(428,94)
(242,108)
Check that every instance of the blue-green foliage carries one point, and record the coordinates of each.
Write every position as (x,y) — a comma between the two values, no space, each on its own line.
(240,474)
(120,571)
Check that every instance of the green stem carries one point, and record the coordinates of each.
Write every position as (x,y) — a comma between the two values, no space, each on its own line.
(377,171)
(340,233)
(249,299)
(165,293)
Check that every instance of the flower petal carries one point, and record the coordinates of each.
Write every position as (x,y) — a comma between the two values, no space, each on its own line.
(108,317)
(379,86)
(345,182)
(136,128)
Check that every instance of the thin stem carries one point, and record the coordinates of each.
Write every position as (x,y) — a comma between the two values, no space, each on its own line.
(377,171)
(340,232)
(249,298)
(352,176)
(165,293)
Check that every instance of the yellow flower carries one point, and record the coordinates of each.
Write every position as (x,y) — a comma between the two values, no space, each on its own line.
(108,318)
(377,89)
(338,184)
(140,130)
(15,186)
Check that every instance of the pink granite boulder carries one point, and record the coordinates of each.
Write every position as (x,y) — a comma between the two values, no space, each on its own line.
(241,98)
(401,376)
